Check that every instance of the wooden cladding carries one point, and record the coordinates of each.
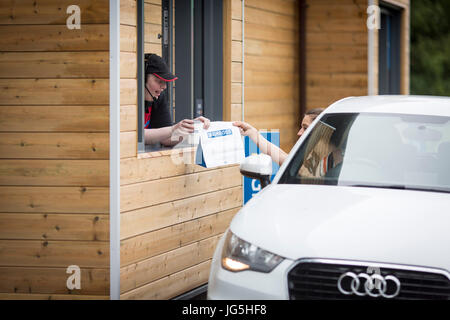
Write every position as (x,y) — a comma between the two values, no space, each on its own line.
(163,240)
(336,50)
(54,172)
(40,226)
(167,214)
(54,148)
(54,64)
(32,145)
(69,118)
(40,281)
(54,253)
(29,65)
(233,61)
(172,285)
(152,27)
(128,38)
(128,79)
(135,170)
(54,38)
(155,268)
(278,7)
(272,68)
(54,91)
(128,12)
(150,193)
(50,12)
(173,212)
(54,199)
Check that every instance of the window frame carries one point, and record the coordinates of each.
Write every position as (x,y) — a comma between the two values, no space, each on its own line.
(389,67)
(198,57)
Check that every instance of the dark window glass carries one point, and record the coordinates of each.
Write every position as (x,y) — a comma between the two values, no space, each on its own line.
(389,51)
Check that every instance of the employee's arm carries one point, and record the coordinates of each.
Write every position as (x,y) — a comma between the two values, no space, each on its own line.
(152,136)
(163,133)
(171,135)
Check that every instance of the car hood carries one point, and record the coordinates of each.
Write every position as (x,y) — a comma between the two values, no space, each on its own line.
(367,224)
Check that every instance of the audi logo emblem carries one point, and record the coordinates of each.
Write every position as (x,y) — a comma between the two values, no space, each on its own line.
(374,285)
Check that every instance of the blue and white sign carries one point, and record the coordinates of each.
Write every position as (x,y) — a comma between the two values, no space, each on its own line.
(219,133)
(253,186)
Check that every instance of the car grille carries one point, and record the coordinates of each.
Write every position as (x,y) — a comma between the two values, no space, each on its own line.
(318,280)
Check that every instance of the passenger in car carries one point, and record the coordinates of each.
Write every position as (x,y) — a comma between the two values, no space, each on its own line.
(324,155)
(269,148)
(158,123)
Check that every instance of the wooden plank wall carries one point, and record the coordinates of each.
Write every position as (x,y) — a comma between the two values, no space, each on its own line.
(54,149)
(128,81)
(172,212)
(153,32)
(152,20)
(233,61)
(336,54)
(271,67)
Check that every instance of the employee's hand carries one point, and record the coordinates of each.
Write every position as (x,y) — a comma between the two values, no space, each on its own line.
(205,121)
(185,125)
(246,129)
(182,129)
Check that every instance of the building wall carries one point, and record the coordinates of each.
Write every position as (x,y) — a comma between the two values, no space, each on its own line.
(233,61)
(152,20)
(54,149)
(272,67)
(337,50)
(336,54)
(54,139)
(172,212)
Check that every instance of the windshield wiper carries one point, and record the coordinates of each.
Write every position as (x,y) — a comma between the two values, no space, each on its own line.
(386,186)
(397,186)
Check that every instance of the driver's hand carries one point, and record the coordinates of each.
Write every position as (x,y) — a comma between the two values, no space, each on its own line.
(246,129)
(205,121)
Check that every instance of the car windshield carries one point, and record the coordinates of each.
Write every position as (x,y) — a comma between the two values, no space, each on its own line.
(395,151)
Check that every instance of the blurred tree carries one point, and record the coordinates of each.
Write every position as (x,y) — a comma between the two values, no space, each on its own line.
(430,47)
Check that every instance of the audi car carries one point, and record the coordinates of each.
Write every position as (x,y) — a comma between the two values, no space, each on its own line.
(360,209)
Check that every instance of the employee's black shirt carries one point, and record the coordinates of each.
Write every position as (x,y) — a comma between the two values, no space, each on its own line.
(157,113)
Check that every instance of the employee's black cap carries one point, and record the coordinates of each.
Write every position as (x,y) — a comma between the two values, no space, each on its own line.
(155,65)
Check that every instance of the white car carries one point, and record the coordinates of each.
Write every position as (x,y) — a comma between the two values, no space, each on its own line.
(359,209)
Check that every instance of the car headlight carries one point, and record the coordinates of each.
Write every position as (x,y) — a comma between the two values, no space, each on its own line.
(240,255)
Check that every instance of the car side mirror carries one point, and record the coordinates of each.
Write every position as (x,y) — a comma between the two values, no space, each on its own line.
(257,166)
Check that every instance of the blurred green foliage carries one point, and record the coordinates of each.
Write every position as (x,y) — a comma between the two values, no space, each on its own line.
(430,47)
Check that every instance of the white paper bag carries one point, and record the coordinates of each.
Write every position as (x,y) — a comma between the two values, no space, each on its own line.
(220,145)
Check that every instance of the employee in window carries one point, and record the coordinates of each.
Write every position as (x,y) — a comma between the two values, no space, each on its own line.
(158,123)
